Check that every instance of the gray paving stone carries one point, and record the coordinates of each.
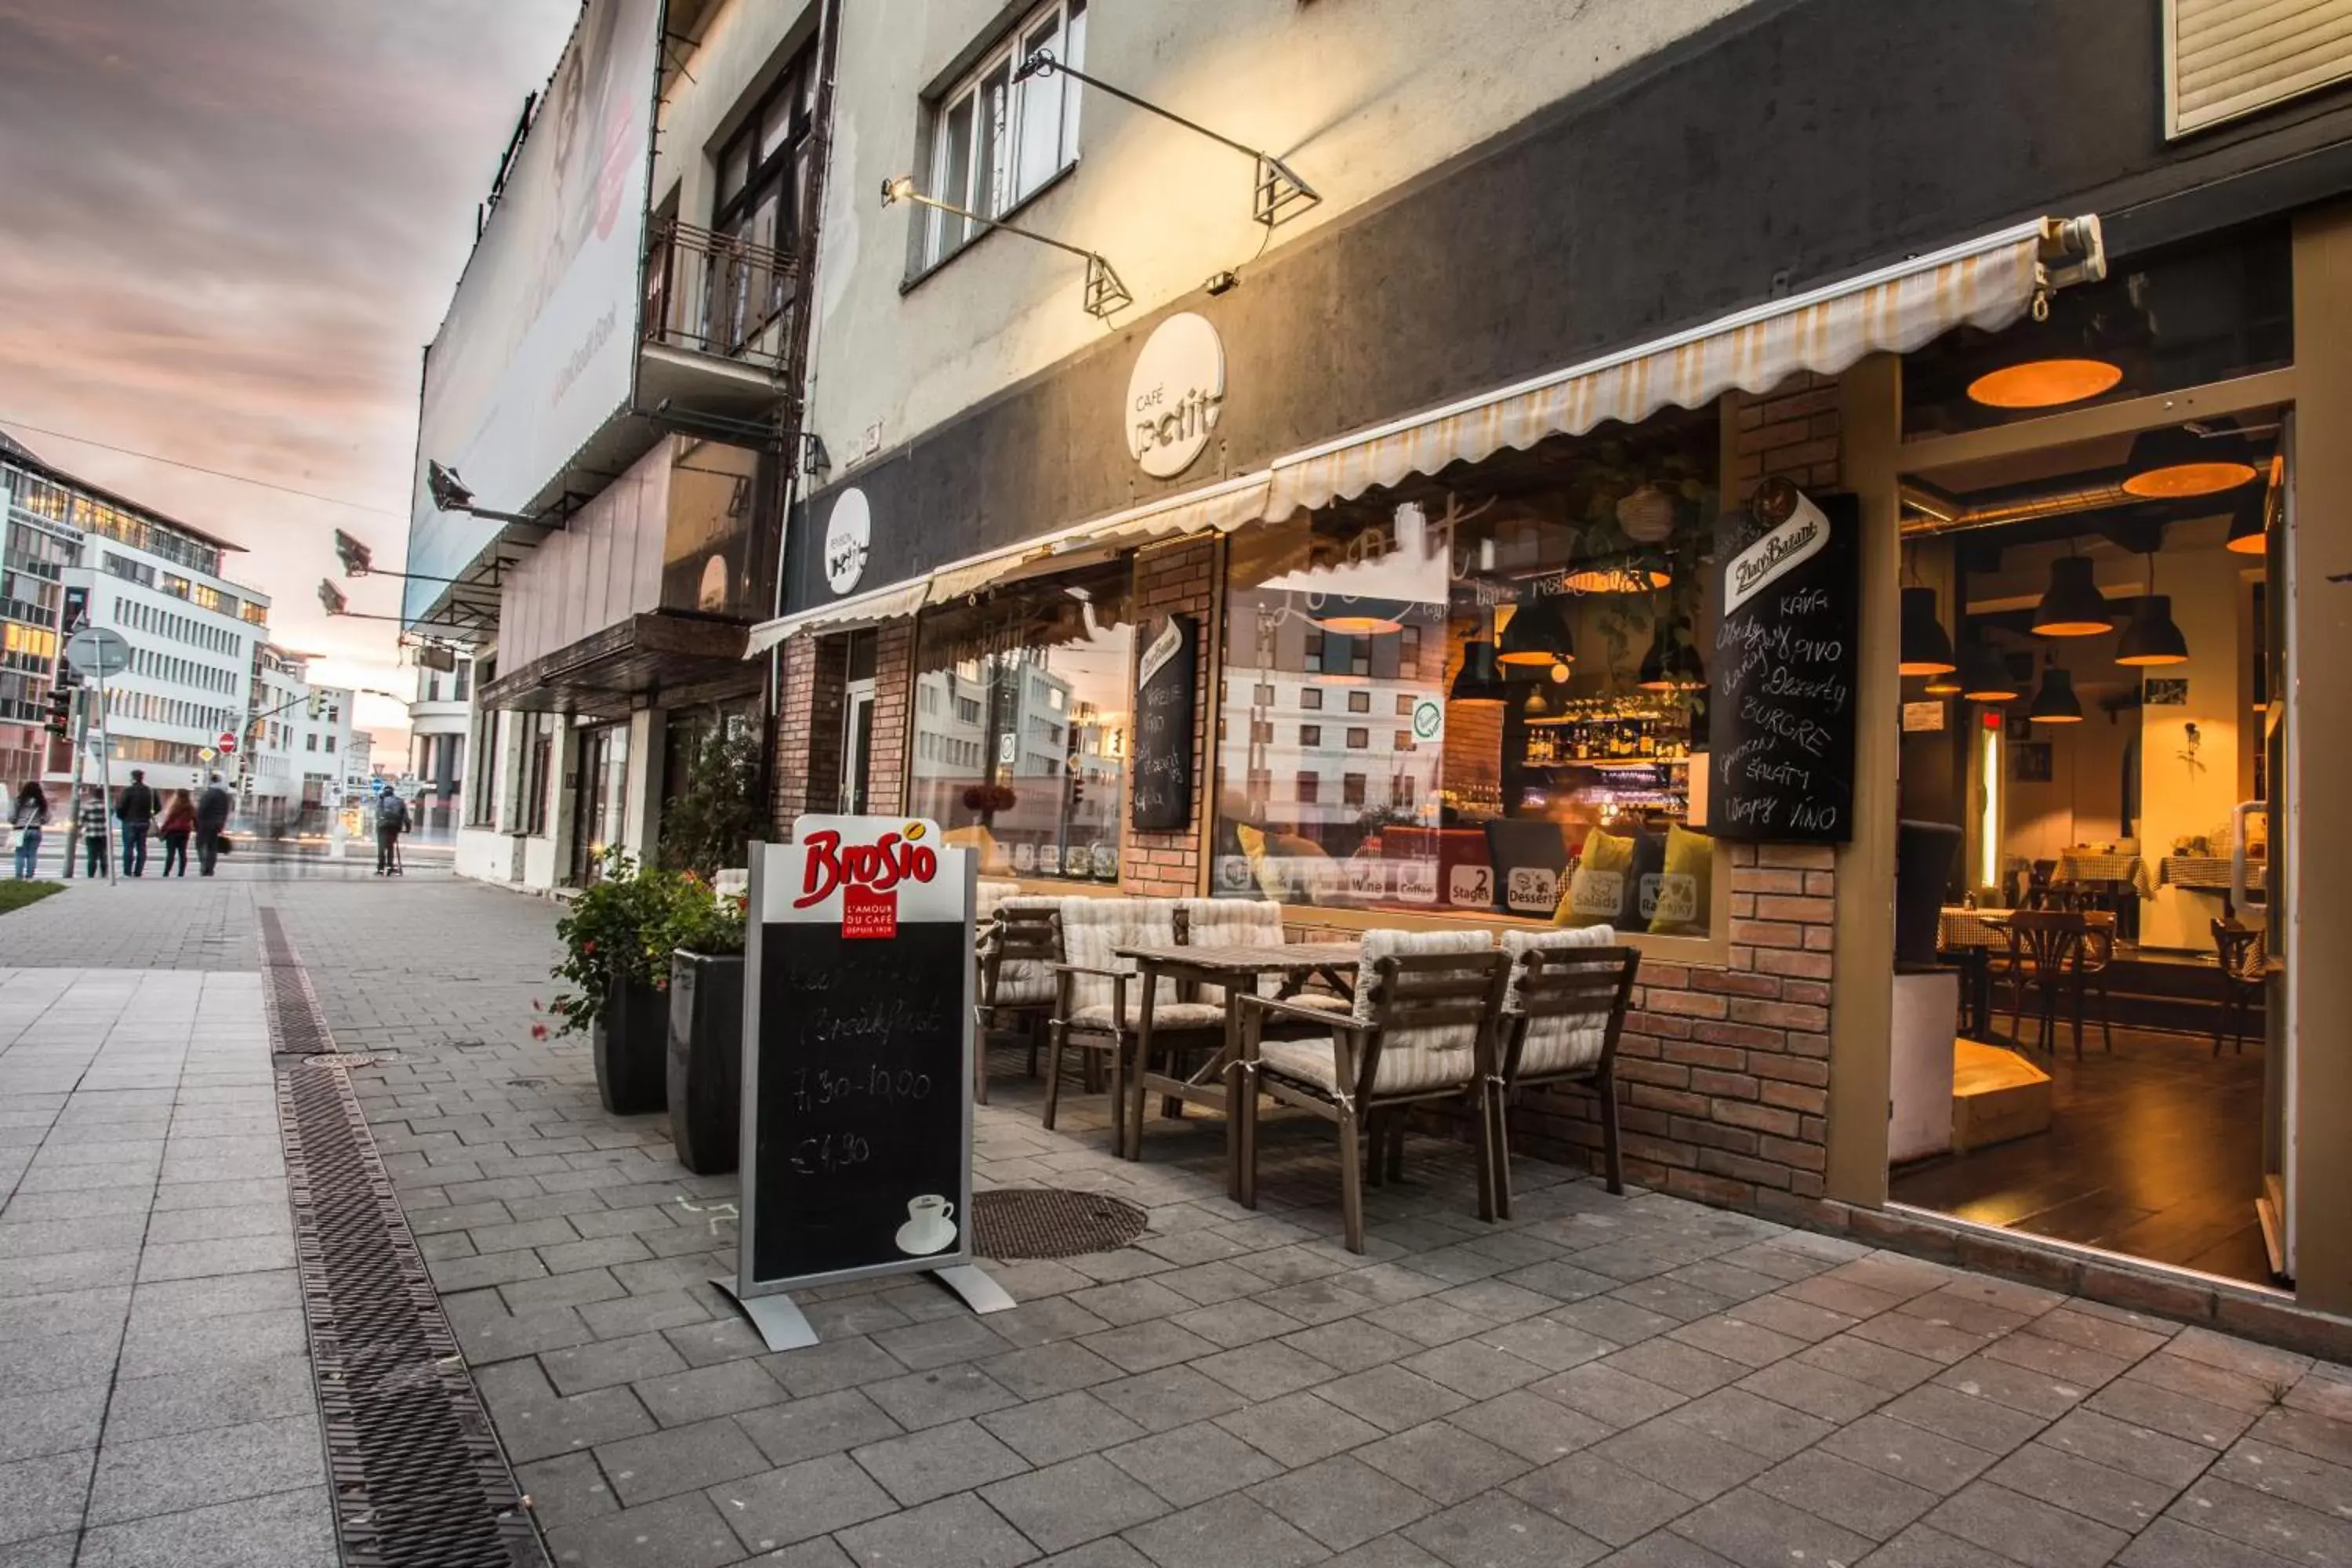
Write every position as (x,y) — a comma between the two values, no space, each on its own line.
(288,1530)
(1342,1502)
(1223,1533)
(2029,1389)
(1300,1428)
(1444,1462)
(953,1532)
(2283,1472)
(606,1362)
(1194,1463)
(1760,1425)
(1074,1502)
(1682,1456)
(2171,1543)
(52,1421)
(1392,1398)
(946,1393)
(2160,1409)
(1352,1346)
(1499,1531)
(1602,1499)
(43,1495)
(1979,1422)
(1610,1394)
(1819,1394)
(684,1531)
(1686,1369)
(941,1343)
(48,1552)
(815,1497)
(2276,1525)
(1266,1370)
(222,1395)
(2023,1529)
(1753,1530)
(170,1475)
(1475,1368)
(1171,1397)
(1046,1431)
(834,1364)
(936,1461)
(701,1392)
(678,1459)
(565,1490)
(1868,1502)
(2041,1470)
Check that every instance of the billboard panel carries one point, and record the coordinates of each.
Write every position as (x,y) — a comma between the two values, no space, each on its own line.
(538,348)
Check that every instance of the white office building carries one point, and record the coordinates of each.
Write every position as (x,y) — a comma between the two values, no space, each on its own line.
(437,722)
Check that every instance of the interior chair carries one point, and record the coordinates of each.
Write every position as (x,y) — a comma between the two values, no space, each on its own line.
(1019,946)
(1563,1007)
(2045,951)
(1423,1029)
(2244,955)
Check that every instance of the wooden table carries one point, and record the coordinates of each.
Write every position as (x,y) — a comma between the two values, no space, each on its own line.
(1236,969)
(1971,934)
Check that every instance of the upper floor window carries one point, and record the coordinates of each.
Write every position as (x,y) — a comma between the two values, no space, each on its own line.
(995,141)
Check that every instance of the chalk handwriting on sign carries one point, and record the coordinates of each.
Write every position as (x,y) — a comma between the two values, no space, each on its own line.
(1782,704)
(1160,768)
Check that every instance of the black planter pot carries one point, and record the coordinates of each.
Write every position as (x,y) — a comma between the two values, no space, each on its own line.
(629,1042)
(706,1060)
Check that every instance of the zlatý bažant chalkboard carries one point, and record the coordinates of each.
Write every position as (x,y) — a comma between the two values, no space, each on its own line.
(1166,697)
(857,1072)
(1781,697)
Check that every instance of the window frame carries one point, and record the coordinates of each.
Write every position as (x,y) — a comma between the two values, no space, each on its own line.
(935,237)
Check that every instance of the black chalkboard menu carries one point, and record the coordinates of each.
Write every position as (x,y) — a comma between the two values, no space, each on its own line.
(858,1067)
(1160,762)
(1781,701)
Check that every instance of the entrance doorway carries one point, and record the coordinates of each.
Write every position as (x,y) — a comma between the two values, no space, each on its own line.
(600,802)
(857,747)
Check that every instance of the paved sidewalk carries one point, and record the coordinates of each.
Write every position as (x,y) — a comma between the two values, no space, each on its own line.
(155,1396)
(1635,1381)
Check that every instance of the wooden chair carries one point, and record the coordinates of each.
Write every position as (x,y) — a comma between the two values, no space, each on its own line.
(2243,953)
(2097,957)
(2046,950)
(1018,949)
(1423,1029)
(1562,1011)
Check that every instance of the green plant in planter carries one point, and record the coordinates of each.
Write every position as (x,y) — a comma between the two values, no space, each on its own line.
(705,829)
(696,920)
(605,936)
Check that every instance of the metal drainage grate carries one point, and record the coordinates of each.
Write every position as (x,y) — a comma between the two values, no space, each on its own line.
(1048,1222)
(418,1472)
(295,1027)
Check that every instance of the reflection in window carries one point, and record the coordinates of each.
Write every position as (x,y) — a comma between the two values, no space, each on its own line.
(1021,715)
(995,141)
(1540,629)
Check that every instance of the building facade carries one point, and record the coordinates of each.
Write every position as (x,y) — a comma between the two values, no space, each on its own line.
(440,719)
(1431,433)
(664,320)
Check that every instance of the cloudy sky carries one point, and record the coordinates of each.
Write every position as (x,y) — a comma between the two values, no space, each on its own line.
(230,227)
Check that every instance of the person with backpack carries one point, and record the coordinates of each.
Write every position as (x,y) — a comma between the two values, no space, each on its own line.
(391,821)
(213,807)
(136,811)
(30,816)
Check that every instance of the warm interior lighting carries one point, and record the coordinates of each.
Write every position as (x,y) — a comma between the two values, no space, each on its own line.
(1535,635)
(1617,577)
(2072,606)
(1671,664)
(2055,703)
(2175,461)
(1480,679)
(1945,685)
(2249,527)
(1984,676)
(1926,648)
(1989,825)
(2152,637)
(1361,618)
(2044,383)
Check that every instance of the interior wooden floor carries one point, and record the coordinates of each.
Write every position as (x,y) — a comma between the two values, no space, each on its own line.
(2154,1152)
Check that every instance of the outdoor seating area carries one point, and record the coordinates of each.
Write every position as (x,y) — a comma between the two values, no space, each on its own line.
(1218,1005)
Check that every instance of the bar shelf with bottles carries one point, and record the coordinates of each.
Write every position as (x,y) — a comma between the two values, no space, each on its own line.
(1608,732)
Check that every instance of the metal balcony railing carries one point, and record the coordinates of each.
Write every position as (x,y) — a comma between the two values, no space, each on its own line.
(716,294)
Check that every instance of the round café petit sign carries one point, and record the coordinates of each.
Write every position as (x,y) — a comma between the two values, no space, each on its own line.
(848,534)
(1175,395)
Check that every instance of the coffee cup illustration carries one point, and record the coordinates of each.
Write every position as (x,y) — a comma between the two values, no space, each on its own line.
(929,1227)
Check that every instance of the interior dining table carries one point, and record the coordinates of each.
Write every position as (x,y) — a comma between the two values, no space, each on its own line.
(1969,936)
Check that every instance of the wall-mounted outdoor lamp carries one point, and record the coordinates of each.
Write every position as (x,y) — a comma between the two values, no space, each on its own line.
(1105,293)
(1279,195)
(450,494)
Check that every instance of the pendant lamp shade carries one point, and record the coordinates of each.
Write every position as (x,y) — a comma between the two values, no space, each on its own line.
(1984,675)
(1671,664)
(2250,526)
(2055,703)
(2152,637)
(2074,606)
(1361,618)
(2175,461)
(1536,634)
(2044,383)
(1947,684)
(1926,651)
(1480,679)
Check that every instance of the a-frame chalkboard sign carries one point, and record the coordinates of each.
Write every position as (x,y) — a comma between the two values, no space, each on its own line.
(857,1000)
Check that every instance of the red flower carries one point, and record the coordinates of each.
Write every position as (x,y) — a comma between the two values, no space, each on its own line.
(588,948)
(539,1031)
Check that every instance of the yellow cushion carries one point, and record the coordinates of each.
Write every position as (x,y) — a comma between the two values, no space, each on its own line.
(1596,893)
(1271,853)
(1685,885)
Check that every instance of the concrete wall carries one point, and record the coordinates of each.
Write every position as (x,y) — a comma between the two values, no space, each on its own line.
(1360,98)
(743,44)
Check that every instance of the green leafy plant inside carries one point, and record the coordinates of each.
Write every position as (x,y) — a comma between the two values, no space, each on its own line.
(706,827)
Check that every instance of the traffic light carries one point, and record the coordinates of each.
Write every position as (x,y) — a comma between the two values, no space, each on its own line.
(60,720)
(318,706)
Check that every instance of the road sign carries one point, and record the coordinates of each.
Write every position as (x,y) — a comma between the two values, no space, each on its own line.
(206,752)
(226,744)
(100,651)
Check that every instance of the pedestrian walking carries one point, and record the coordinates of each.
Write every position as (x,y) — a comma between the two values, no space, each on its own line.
(391,821)
(211,822)
(30,816)
(136,812)
(179,821)
(91,819)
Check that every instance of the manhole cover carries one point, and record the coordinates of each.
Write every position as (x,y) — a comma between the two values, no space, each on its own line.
(1045,1222)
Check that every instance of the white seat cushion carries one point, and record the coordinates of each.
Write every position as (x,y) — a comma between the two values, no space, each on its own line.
(1564,1042)
(1093,929)
(1025,982)
(1166,1015)
(1314,1061)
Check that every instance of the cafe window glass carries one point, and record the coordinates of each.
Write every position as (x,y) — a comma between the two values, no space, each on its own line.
(1540,624)
(1021,714)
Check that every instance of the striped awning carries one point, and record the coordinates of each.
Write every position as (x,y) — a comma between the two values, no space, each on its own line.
(1988,282)
(841,615)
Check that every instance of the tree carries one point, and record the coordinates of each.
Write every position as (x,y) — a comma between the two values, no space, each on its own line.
(706,829)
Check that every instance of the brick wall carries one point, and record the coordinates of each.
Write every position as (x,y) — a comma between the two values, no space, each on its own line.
(808,729)
(1176,579)
(1723,1070)
(894,686)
